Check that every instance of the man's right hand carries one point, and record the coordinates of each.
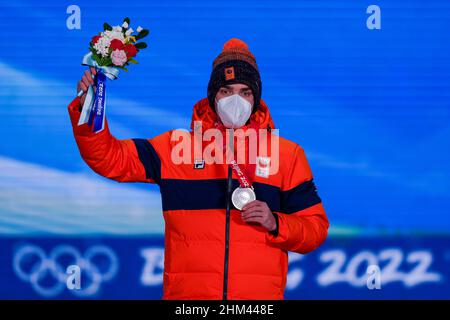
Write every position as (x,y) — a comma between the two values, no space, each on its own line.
(86,81)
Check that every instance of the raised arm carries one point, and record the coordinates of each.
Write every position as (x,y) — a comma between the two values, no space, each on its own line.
(131,160)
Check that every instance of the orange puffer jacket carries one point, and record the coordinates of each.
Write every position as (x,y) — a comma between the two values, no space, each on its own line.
(210,252)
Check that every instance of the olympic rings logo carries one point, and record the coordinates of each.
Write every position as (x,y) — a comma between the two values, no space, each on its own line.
(98,264)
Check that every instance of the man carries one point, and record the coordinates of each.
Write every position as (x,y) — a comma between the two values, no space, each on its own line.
(213,250)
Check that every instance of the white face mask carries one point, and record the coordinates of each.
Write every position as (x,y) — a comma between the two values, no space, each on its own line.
(234,111)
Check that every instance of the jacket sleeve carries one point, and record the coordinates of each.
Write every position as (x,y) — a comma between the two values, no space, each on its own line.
(302,222)
(131,160)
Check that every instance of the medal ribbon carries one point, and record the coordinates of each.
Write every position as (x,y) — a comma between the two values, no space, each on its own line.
(244,180)
(247,175)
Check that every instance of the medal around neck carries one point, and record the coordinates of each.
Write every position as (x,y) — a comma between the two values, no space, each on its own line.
(242,196)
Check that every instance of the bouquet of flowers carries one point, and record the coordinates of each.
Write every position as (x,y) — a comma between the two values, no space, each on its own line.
(110,51)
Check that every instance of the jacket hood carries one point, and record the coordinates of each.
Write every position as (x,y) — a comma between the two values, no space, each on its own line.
(203,112)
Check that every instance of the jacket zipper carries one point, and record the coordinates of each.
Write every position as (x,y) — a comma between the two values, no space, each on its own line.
(227,223)
(227,234)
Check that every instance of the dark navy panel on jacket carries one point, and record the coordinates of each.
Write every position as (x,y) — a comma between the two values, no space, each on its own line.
(179,194)
(299,198)
(149,158)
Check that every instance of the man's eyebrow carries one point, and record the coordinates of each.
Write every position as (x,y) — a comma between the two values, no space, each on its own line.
(231,88)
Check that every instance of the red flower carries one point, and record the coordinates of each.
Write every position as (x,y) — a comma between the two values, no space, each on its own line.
(130,50)
(116,44)
(95,39)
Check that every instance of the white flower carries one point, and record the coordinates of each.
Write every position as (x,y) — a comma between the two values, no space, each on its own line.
(129,32)
(117,28)
(125,24)
(139,29)
(102,46)
(112,34)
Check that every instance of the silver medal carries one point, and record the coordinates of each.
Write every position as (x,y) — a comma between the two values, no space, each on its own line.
(242,196)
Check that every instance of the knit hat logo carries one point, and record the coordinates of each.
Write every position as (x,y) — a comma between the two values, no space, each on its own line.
(229,73)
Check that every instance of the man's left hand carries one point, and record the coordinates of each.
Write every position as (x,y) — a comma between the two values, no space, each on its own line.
(258,211)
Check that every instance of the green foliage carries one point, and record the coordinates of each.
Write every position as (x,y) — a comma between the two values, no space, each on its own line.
(141,45)
(142,34)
